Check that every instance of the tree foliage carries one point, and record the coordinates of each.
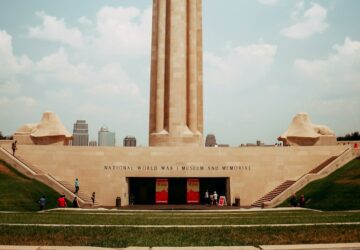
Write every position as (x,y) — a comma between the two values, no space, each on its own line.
(355,136)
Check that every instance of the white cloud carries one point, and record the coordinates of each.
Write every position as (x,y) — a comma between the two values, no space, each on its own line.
(63,94)
(109,79)
(4,103)
(9,63)
(27,102)
(9,86)
(54,29)
(118,31)
(241,65)
(84,20)
(56,68)
(333,85)
(268,2)
(313,21)
(339,72)
(124,30)
(112,80)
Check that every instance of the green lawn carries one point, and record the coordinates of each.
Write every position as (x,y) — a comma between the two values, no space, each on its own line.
(225,236)
(179,218)
(338,191)
(114,236)
(19,193)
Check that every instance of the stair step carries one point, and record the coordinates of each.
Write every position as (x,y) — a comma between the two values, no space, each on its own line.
(323,165)
(273,193)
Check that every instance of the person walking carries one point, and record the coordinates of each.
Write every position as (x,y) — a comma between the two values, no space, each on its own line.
(302,201)
(75,203)
(14,147)
(77,187)
(206,197)
(93,198)
(215,198)
(293,201)
(61,201)
(42,202)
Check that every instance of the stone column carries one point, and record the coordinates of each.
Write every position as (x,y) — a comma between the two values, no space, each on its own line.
(176,115)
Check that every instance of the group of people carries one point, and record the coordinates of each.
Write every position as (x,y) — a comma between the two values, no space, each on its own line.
(295,202)
(211,199)
(61,201)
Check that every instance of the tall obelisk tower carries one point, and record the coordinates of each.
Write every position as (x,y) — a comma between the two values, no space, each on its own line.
(176,94)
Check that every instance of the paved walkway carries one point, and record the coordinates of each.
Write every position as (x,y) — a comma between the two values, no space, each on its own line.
(340,246)
(183,226)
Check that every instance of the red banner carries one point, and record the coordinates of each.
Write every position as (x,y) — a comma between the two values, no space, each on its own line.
(192,194)
(162,187)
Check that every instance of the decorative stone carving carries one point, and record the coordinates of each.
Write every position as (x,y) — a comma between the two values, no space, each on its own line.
(302,132)
(49,130)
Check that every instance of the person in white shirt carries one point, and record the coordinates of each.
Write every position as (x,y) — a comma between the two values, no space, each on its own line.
(215,195)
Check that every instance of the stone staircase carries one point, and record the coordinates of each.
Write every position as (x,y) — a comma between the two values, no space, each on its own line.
(32,167)
(33,172)
(273,193)
(323,165)
(84,195)
(283,191)
(269,197)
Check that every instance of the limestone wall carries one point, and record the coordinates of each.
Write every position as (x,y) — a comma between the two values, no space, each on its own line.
(252,171)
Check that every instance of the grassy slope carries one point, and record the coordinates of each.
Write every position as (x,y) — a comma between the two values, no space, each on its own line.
(338,191)
(19,193)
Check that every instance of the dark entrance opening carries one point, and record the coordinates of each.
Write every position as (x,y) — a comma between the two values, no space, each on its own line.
(143,189)
(177,190)
(212,185)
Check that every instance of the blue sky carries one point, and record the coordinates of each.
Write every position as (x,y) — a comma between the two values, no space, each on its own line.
(264,62)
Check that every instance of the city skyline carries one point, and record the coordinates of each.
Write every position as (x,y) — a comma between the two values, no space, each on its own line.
(264,62)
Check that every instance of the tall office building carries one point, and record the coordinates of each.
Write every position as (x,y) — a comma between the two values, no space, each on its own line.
(129,141)
(80,133)
(106,138)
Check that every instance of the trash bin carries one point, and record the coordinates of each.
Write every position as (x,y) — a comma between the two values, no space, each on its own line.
(118,201)
(237,202)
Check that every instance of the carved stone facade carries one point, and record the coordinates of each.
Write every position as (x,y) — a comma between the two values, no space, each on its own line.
(176,94)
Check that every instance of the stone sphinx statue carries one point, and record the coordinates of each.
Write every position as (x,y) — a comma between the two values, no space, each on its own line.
(302,132)
(48,131)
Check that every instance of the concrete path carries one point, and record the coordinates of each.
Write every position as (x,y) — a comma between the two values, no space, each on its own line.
(340,246)
(183,226)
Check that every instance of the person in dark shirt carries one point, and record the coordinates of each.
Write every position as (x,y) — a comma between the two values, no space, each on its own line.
(76,186)
(42,202)
(293,201)
(14,147)
(93,198)
(302,201)
(75,203)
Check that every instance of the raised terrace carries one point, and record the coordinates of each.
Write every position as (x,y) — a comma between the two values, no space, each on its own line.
(244,173)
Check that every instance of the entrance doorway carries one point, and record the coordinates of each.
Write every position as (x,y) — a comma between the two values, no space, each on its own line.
(177,190)
(143,190)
